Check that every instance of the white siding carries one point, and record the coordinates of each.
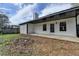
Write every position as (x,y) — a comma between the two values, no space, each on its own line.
(23,29)
(30,28)
(71,27)
(38,28)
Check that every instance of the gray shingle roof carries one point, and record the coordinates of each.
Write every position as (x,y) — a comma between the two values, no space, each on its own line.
(71,13)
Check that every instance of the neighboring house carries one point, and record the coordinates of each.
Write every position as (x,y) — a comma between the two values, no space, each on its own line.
(10,29)
(65,22)
(4,21)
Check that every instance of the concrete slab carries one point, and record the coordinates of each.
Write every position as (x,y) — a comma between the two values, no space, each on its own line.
(68,38)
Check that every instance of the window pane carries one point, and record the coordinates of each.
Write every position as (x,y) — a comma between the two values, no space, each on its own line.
(62,26)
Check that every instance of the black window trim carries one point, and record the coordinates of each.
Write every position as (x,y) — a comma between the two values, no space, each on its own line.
(61,25)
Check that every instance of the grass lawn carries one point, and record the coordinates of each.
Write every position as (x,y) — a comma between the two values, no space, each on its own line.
(9,36)
(5,39)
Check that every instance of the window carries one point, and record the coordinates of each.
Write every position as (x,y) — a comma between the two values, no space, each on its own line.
(44,27)
(51,27)
(62,26)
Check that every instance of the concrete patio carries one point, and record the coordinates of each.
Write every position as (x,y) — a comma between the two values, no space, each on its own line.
(68,38)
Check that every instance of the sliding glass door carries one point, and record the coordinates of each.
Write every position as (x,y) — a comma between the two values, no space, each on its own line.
(51,27)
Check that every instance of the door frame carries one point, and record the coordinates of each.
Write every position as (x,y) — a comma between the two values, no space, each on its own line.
(77,34)
(27,29)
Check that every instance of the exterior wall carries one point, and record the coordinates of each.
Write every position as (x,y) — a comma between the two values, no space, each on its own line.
(71,27)
(38,28)
(23,29)
(30,28)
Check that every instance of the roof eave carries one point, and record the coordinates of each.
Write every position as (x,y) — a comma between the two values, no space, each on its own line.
(67,10)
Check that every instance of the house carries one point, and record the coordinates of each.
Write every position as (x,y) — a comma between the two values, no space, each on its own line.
(10,29)
(65,22)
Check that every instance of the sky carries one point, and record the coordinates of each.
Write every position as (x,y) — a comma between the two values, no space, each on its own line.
(22,12)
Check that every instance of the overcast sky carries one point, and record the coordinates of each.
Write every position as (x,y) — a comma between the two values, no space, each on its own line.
(21,12)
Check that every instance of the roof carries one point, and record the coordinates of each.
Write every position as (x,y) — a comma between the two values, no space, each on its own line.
(55,16)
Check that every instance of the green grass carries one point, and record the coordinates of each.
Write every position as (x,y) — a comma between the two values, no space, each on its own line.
(5,39)
(9,36)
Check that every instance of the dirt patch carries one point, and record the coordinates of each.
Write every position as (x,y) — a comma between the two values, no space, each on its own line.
(47,46)
(34,45)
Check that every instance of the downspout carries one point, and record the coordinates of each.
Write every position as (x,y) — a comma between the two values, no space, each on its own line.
(76,22)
